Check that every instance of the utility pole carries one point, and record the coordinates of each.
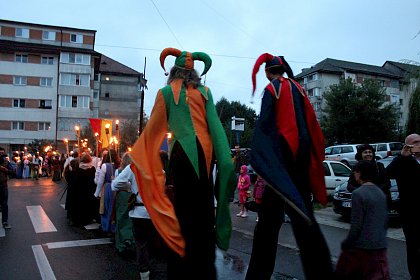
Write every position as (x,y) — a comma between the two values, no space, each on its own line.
(142,84)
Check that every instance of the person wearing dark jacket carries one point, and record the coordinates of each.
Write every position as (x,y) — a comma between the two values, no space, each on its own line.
(405,168)
(364,251)
(367,152)
(4,193)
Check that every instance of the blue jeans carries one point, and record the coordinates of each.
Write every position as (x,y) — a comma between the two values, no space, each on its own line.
(4,194)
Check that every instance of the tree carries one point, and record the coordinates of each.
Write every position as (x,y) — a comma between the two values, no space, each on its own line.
(128,134)
(38,145)
(413,121)
(358,114)
(226,110)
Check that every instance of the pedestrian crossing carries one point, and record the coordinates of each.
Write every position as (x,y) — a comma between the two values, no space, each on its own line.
(40,220)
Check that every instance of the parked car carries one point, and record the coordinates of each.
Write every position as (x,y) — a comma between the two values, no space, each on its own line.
(335,174)
(342,153)
(342,197)
(383,150)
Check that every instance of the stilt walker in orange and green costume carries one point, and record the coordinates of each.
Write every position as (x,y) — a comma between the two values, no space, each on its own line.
(188,225)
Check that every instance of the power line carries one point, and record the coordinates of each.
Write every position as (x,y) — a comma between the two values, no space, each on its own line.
(167,25)
(212,54)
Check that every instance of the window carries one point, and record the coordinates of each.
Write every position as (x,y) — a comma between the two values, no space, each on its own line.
(107,94)
(74,101)
(313,77)
(48,35)
(381,147)
(340,170)
(326,169)
(75,58)
(45,104)
(74,79)
(316,91)
(395,99)
(19,80)
(22,32)
(76,38)
(18,126)
(23,58)
(47,60)
(83,101)
(44,126)
(95,94)
(347,149)
(19,103)
(45,82)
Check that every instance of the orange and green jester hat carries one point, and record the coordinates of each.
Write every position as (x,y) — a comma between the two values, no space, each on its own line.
(186,123)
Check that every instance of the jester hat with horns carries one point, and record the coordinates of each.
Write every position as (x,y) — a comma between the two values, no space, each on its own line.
(270,61)
(185,59)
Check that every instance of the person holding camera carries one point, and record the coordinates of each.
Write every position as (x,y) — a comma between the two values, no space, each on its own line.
(405,168)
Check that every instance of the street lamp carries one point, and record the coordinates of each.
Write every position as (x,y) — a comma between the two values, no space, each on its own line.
(77,128)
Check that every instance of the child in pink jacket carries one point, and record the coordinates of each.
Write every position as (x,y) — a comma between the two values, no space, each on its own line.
(244,182)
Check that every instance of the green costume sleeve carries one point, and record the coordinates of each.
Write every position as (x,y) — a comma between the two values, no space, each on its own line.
(227,178)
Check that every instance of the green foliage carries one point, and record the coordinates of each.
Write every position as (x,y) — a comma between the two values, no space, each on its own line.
(413,121)
(38,145)
(128,134)
(226,110)
(358,114)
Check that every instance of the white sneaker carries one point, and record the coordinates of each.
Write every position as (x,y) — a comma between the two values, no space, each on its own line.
(240,214)
(244,215)
(256,219)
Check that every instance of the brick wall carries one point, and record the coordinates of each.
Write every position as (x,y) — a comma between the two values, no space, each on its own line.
(31,126)
(35,34)
(8,31)
(5,125)
(6,79)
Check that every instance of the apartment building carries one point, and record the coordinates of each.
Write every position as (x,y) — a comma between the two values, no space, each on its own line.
(117,92)
(52,79)
(46,81)
(392,76)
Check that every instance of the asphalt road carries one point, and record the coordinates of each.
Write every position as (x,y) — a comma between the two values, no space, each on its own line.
(42,244)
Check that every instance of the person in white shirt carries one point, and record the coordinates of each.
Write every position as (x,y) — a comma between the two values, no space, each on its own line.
(143,229)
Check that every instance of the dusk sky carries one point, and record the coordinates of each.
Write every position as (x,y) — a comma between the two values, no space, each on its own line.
(234,34)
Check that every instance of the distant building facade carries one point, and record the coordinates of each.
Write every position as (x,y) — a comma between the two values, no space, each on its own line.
(392,76)
(51,80)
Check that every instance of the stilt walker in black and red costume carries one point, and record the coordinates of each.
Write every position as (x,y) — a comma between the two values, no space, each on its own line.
(287,152)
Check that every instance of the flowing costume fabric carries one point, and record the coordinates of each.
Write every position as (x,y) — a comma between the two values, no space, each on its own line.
(188,226)
(287,152)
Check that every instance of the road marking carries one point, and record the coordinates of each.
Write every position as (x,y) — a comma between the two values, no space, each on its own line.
(78,243)
(42,262)
(92,226)
(40,220)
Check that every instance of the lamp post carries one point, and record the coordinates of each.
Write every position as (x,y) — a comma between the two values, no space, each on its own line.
(77,128)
